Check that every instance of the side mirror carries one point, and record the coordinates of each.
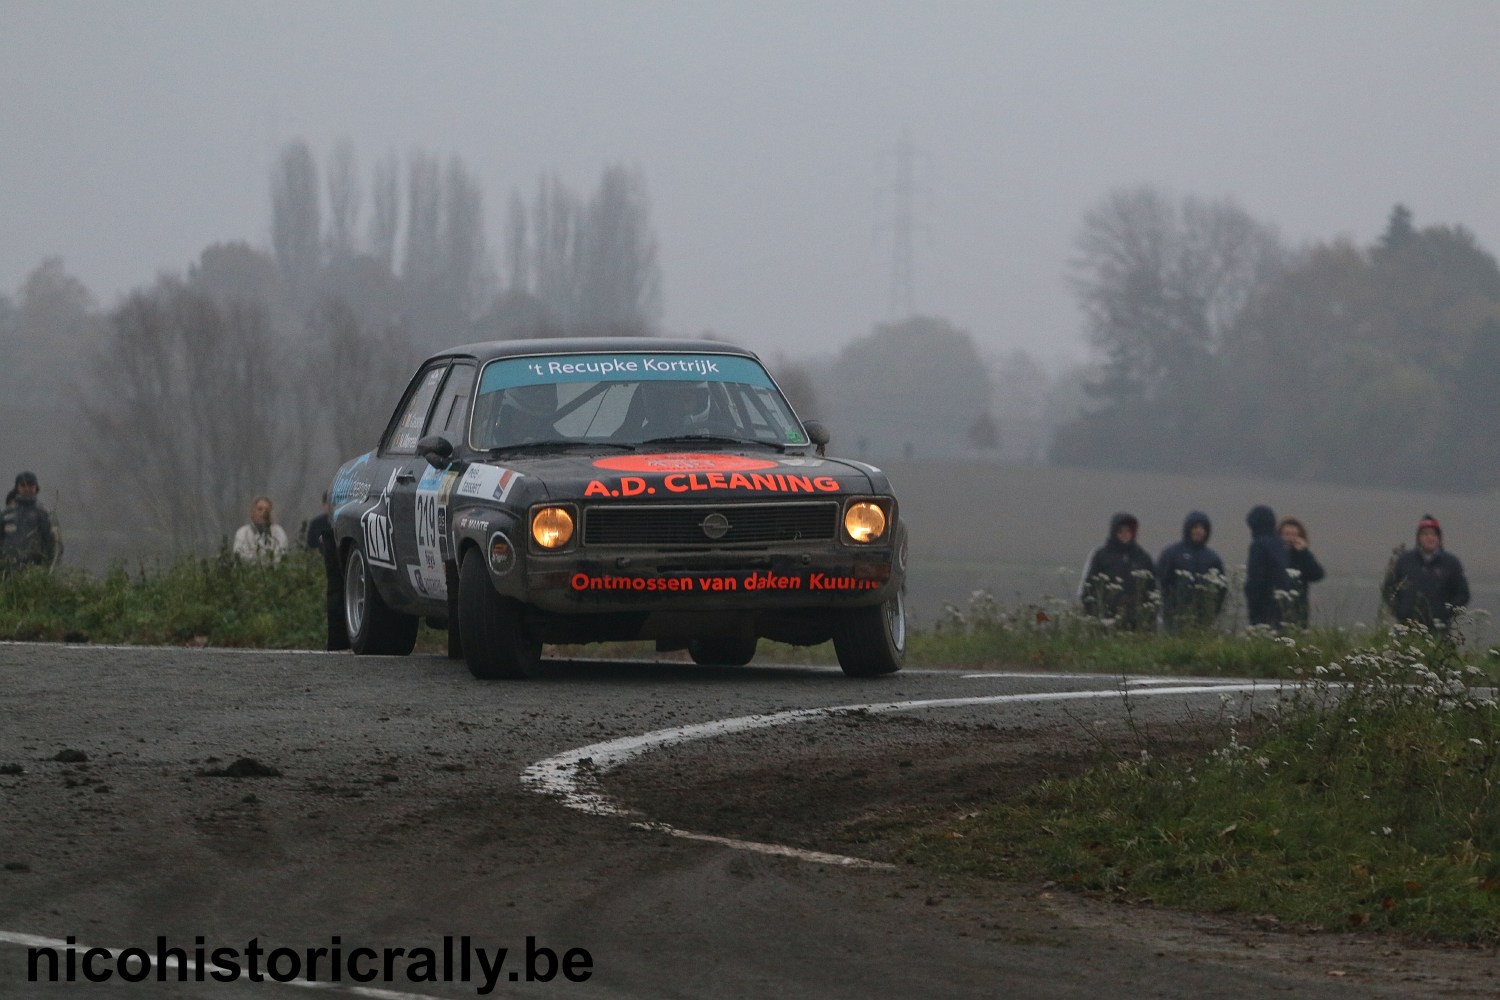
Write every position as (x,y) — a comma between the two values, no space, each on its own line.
(818,434)
(437,449)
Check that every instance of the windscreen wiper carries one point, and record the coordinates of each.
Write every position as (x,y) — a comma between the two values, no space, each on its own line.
(560,446)
(712,439)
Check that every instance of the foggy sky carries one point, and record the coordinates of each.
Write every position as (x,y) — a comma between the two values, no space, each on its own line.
(133,135)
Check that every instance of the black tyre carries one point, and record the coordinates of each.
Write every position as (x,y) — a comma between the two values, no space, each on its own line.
(374,629)
(872,641)
(720,651)
(492,628)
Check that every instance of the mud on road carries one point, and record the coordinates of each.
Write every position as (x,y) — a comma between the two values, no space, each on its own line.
(298,797)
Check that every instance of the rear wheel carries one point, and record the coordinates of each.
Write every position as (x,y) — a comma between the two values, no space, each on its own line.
(492,628)
(720,651)
(374,628)
(872,641)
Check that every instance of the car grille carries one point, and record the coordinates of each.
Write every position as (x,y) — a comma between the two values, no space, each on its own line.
(747,524)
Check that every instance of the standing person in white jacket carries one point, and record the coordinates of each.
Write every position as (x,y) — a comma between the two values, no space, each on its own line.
(262,538)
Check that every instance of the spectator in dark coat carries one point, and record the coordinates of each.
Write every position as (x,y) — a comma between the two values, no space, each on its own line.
(320,539)
(1426,585)
(1191,576)
(1119,581)
(29,534)
(1267,584)
(1302,566)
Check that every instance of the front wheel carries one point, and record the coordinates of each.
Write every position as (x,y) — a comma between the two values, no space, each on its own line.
(872,641)
(492,628)
(374,628)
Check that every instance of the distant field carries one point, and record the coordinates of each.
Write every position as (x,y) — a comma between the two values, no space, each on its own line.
(1023,533)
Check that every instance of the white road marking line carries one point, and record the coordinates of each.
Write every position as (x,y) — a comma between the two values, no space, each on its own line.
(573,776)
(1129,680)
(33,941)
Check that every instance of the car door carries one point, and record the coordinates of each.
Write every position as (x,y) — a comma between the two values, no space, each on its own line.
(390,522)
(422,541)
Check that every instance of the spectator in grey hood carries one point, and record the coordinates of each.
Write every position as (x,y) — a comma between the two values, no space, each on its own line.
(1268,586)
(1119,581)
(1191,576)
(1425,585)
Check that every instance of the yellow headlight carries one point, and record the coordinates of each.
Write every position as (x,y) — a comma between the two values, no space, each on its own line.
(551,527)
(864,521)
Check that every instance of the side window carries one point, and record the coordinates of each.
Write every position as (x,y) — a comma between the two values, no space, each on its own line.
(451,414)
(403,437)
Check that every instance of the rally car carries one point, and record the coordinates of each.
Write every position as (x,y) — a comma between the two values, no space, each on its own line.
(591,490)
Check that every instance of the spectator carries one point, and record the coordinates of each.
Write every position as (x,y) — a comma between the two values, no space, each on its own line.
(320,537)
(1267,584)
(29,534)
(1426,585)
(1191,577)
(1302,567)
(1119,582)
(262,538)
(320,527)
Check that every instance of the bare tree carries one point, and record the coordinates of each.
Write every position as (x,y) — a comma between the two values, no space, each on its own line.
(620,279)
(54,321)
(1161,284)
(189,414)
(372,366)
(556,252)
(343,203)
(296,225)
(385,219)
(466,281)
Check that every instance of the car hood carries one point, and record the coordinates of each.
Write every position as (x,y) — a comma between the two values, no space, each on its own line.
(690,475)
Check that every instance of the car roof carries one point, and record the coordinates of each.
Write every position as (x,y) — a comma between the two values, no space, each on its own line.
(490,350)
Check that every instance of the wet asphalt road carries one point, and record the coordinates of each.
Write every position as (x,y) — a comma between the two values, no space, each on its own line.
(399,820)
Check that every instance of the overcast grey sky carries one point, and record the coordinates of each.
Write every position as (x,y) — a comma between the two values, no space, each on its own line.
(133,135)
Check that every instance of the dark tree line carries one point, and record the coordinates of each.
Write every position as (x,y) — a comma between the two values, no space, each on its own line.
(259,370)
(1222,351)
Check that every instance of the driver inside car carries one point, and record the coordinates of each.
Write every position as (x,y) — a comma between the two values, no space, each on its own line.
(527,414)
(675,408)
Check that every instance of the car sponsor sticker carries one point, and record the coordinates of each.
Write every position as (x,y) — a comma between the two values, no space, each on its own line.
(683,462)
(427,583)
(759,581)
(375,524)
(487,482)
(347,487)
(507,372)
(380,540)
(699,482)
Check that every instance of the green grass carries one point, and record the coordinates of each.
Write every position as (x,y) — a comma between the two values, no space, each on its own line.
(1369,801)
(215,600)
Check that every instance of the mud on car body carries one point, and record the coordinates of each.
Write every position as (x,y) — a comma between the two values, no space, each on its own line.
(575,491)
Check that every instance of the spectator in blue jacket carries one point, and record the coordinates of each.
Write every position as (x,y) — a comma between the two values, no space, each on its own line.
(1191,577)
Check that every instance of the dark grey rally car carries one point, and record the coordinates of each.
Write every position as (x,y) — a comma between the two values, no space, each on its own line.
(573,491)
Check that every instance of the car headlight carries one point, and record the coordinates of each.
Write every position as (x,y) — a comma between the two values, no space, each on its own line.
(864,521)
(551,527)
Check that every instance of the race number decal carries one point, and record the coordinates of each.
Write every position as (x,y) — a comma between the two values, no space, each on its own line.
(431,532)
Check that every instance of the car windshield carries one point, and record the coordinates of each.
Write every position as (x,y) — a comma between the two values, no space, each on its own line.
(630,399)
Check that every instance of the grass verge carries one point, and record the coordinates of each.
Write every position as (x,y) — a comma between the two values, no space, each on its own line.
(1367,801)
